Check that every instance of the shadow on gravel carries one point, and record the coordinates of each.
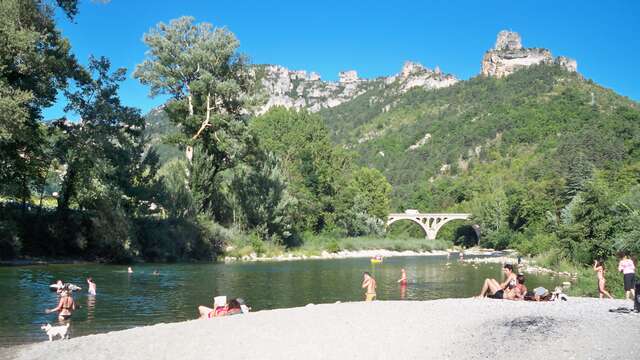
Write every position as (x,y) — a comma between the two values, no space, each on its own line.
(540,325)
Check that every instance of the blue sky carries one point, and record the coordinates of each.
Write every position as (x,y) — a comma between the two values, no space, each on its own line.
(372,37)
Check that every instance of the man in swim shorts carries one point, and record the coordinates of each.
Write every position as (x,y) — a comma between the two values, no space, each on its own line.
(369,283)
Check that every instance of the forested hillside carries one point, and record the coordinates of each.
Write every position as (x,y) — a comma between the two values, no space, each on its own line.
(545,160)
(527,154)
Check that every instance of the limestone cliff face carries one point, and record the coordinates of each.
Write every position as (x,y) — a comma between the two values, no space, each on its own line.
(299,89)
(508,56)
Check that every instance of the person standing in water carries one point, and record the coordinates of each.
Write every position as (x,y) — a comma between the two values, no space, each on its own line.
(628,269)
(65,306)
(92,286)
(130,270)
(403,278)
(598,267)
(369,283)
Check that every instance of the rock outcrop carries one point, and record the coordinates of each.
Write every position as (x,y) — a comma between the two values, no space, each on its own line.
(298,89)
(415,75)
(508,56)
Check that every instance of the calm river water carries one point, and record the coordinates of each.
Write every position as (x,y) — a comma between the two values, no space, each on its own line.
(128,300)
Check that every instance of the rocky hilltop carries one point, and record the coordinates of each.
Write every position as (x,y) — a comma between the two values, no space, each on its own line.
(301,89)
(508,55)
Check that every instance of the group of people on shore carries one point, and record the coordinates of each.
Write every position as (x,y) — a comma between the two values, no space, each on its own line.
(513,287)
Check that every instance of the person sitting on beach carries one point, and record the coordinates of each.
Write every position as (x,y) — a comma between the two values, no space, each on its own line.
(65,306)
(598,267)
(403,278)
(92,286)
(233,308)
(518,291)
(369,283)
(492,288)
(219,308)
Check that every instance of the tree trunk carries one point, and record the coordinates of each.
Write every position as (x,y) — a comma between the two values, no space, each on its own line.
(189,150)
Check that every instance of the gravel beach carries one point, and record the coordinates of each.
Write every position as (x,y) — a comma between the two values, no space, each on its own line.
(440,329)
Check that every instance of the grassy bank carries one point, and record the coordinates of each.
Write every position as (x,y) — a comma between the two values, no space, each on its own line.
(314,245)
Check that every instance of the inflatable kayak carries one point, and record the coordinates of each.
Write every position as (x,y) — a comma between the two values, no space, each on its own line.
(376,261)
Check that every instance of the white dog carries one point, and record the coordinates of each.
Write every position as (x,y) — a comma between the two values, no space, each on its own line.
(53,331)
(558,294)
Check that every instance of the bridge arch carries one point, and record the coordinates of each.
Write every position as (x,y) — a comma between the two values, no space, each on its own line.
(429,222)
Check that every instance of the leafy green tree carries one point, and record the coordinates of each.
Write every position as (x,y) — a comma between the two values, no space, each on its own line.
(35,63)
(589,227)
(200,68)
(265,204)
(311,163)
(363,204)
(208,81)
(102,151)
(177,199)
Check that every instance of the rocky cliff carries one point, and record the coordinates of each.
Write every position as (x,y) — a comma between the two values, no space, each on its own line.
(300,89)
(508,55)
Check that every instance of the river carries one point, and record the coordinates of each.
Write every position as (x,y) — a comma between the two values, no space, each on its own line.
(128,300)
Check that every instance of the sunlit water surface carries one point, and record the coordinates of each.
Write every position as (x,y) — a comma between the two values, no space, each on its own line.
(129,300)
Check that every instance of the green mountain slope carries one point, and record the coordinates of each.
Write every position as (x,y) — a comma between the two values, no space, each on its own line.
(539,119)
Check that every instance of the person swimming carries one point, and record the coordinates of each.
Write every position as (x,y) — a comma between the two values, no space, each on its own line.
(130,270)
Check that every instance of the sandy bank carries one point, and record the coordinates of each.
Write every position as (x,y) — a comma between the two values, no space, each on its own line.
(440,329)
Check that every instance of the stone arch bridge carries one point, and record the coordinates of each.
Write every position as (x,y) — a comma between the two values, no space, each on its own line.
(429,222)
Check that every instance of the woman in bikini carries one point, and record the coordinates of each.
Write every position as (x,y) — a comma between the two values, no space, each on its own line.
(598,267)
(65,306)
(492,288)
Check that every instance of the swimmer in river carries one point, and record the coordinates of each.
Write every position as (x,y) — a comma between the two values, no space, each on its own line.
(92,286)
(130,270)
(369,283)
(403,278)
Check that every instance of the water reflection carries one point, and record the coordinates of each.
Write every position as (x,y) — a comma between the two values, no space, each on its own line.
(91,303)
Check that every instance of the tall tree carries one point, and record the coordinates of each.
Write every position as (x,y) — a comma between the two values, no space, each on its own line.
(208,81)
(311,162)
(103,152)
(35,63)
(199,67)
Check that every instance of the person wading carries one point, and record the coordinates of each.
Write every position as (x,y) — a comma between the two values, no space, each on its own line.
(369,283)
